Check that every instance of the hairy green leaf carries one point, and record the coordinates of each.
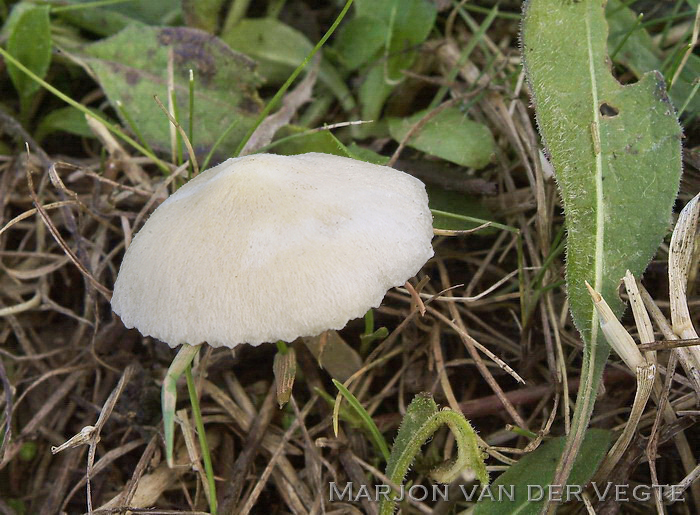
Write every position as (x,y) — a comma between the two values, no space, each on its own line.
(616,154)
(423,418)
(449,135)
(132,67)
(530,478)
(279,49)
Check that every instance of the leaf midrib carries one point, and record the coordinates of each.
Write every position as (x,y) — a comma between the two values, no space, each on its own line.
(600,218)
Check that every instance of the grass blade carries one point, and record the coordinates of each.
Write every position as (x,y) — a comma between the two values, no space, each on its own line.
(369,423)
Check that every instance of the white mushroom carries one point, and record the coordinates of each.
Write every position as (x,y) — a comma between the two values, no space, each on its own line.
(265,248)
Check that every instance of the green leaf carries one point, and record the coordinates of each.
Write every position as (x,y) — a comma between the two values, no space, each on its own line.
(298,140)
(132,67)
(102,22)
(531,476)
(365,154)
(639,53)
(65,119)
(203,14)
(411,20)
(279,49)
(360,40)
(423,418)
(29,42)
(110,19)
(345,413)
(408,23)
(457,203)
(15,14)
(616,155)
(449,135)
(151,13)
(374,91)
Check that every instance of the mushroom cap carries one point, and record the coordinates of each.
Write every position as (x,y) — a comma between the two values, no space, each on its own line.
(266,247)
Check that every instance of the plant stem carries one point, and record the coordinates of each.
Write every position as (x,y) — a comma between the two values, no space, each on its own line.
(236,12)
(190,129)
(194,400)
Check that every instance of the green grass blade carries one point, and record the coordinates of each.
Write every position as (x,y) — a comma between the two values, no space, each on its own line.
(367,420)
(616,155)
(464,56)
(190,126)
(477,221)
(280,93)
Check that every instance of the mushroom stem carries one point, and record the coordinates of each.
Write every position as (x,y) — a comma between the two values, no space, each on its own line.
(168,397)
